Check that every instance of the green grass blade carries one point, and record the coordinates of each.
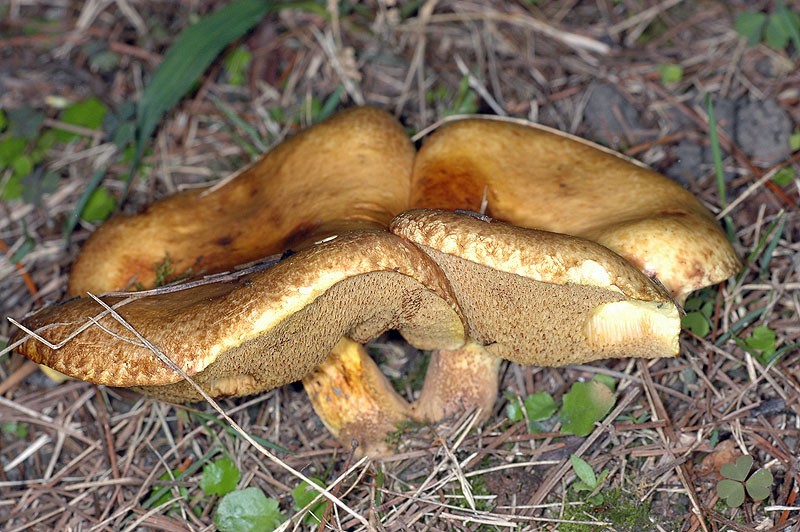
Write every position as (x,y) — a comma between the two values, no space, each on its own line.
(75,215)
(789,348)
(741,324)
(772,244)
(261,441)
(331,104)
(789,25)
(716,153)
(186,60)
(761,245)
(257,145)
(193,468)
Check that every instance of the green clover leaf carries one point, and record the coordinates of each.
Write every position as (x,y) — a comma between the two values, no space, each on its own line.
(731,491)
(759,485)
(732,487)
(750,24)
(737,470)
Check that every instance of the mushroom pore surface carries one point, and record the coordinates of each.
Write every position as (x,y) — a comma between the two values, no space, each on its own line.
(540,298)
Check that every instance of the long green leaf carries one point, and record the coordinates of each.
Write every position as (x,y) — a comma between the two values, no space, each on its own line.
(716,153)
(789,24)
(75,215)
(186,60)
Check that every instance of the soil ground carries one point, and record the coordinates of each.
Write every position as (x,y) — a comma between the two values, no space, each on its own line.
(76,457)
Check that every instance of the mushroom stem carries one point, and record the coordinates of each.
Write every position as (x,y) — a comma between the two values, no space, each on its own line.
(354,399)
(457,381)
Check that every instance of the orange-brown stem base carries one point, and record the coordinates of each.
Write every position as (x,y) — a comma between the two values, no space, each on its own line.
(355,400)
(458,381)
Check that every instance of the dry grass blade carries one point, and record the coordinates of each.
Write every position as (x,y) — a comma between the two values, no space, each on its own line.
(75,456)
(573,40)
(325,492)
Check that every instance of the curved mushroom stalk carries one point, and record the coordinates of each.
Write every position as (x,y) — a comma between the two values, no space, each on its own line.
(354,399)
(457,381)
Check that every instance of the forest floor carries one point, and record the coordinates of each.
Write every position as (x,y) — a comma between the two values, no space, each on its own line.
(633,75)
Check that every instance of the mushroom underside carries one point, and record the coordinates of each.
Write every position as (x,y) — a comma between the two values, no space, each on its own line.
(301,343)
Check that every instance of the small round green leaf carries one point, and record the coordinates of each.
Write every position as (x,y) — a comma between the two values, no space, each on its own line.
(10,149)
(303,494)
(737,470)
(583,470)
(584,405)
(697,323)
(99,207)
(763,339)
(784,176)
(220,477)
(12,188)
(780,25)
(608,380)
(236,64)
(731,492)
(514,409)
(759,485)
(750,24)
(540,406)
(670,73)
(794,140)
(86,114)
(22,166)
(248,510)
(15,428)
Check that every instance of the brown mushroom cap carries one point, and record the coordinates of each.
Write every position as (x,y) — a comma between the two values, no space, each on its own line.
(543,179)
(529,296)
(262,330)
(542,298)
(348,172)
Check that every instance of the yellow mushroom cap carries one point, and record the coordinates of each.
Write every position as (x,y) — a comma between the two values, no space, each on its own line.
(539,178)
(542,298)
(348,172)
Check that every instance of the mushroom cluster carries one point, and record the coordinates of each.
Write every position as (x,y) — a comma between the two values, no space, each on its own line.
(494,241)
